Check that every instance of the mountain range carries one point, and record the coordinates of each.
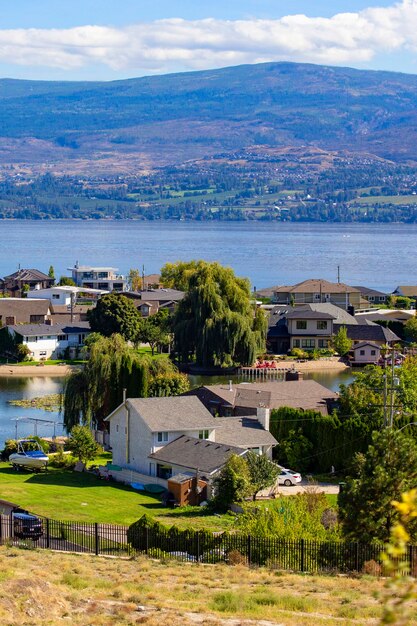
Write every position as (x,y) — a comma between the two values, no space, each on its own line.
(141,123)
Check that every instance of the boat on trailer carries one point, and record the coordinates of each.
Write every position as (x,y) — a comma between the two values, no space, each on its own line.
(29,454)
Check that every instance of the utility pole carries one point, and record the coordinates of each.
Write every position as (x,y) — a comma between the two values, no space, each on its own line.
(338,274)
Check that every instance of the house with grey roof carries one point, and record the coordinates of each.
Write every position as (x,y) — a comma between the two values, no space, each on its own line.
(375,333)
(156,438)
(50,341)
(373,296)
(150,301)
(247,399)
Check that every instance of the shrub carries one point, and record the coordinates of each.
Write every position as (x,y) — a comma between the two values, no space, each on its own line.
(235,557)
(61,460)
(372,568)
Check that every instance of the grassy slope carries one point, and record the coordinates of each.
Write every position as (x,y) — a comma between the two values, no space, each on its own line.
(39,588)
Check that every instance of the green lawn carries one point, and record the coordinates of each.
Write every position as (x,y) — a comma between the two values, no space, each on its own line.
(73,496)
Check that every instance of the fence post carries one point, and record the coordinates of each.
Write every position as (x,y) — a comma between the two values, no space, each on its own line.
(1,528)
(249,550)
(357,557)
(302,555)
(147,539)
(11,526)
(96,536)
(47,533)
(198,546)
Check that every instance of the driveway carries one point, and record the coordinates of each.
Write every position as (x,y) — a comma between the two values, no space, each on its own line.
(304,485)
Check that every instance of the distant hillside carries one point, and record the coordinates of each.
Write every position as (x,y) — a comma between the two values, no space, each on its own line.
(168,119)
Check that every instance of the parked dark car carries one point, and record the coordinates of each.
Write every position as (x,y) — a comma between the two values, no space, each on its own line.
(27,526)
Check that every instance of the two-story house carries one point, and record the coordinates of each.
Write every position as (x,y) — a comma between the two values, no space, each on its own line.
(309,329)
(316,291)
(104,278)
(17,283)
(24,311)
(161,437)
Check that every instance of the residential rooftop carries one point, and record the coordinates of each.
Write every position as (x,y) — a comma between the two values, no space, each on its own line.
(172,413)
(196,454)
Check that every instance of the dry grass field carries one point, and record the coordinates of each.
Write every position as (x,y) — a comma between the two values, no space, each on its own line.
(46,588)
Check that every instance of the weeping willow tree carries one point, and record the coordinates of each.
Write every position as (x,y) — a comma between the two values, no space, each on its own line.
(91,394)
(215,321)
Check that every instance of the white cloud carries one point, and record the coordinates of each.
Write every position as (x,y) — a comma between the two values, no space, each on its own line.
(166,45)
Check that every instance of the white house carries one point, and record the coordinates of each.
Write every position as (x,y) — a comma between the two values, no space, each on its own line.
(159,437)
(105,278)
(65,295)
(47,341)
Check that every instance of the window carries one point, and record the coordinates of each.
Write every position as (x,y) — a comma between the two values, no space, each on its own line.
(296,343)
(162,437)
(55,296)
(317,297)
(321,325)
(10,320)
(62,337)
(323,343)
(203,434)
(308,343)
(301,325)
(373,352)
(362,352)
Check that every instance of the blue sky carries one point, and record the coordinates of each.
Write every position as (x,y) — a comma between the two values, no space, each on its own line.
(109,39)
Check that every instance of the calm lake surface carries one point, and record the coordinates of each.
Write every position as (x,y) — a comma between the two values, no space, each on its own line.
(15,388)
(377,255)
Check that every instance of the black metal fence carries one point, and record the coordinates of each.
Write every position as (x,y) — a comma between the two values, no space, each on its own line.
(203,547)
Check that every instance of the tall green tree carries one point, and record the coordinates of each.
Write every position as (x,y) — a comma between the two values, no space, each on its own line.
(215,321)
(51,272)
(156,330)
(135,279)
(178,275)
(383,473)
(116,314)
(341,342)
(113,365)
(66,281)
(262,472)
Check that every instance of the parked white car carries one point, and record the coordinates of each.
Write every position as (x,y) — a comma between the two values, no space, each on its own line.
(288,477)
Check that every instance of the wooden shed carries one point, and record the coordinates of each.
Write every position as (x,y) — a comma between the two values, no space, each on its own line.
(185,490)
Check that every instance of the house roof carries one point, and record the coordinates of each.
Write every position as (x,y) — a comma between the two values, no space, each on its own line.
(368,332)
(192,453)
(309,314)
(172,413)
(316,285)
(368,291)
(159,295)
(362,344)
(243,432)
(409,291)
(39,330)
(16,306)
(303,394)
(28,274)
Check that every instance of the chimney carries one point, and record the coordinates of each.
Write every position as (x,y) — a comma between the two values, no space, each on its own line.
(263,415)
(230,386)
(124,395)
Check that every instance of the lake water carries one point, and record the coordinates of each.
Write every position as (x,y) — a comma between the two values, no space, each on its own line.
(23,388)
(378,255)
